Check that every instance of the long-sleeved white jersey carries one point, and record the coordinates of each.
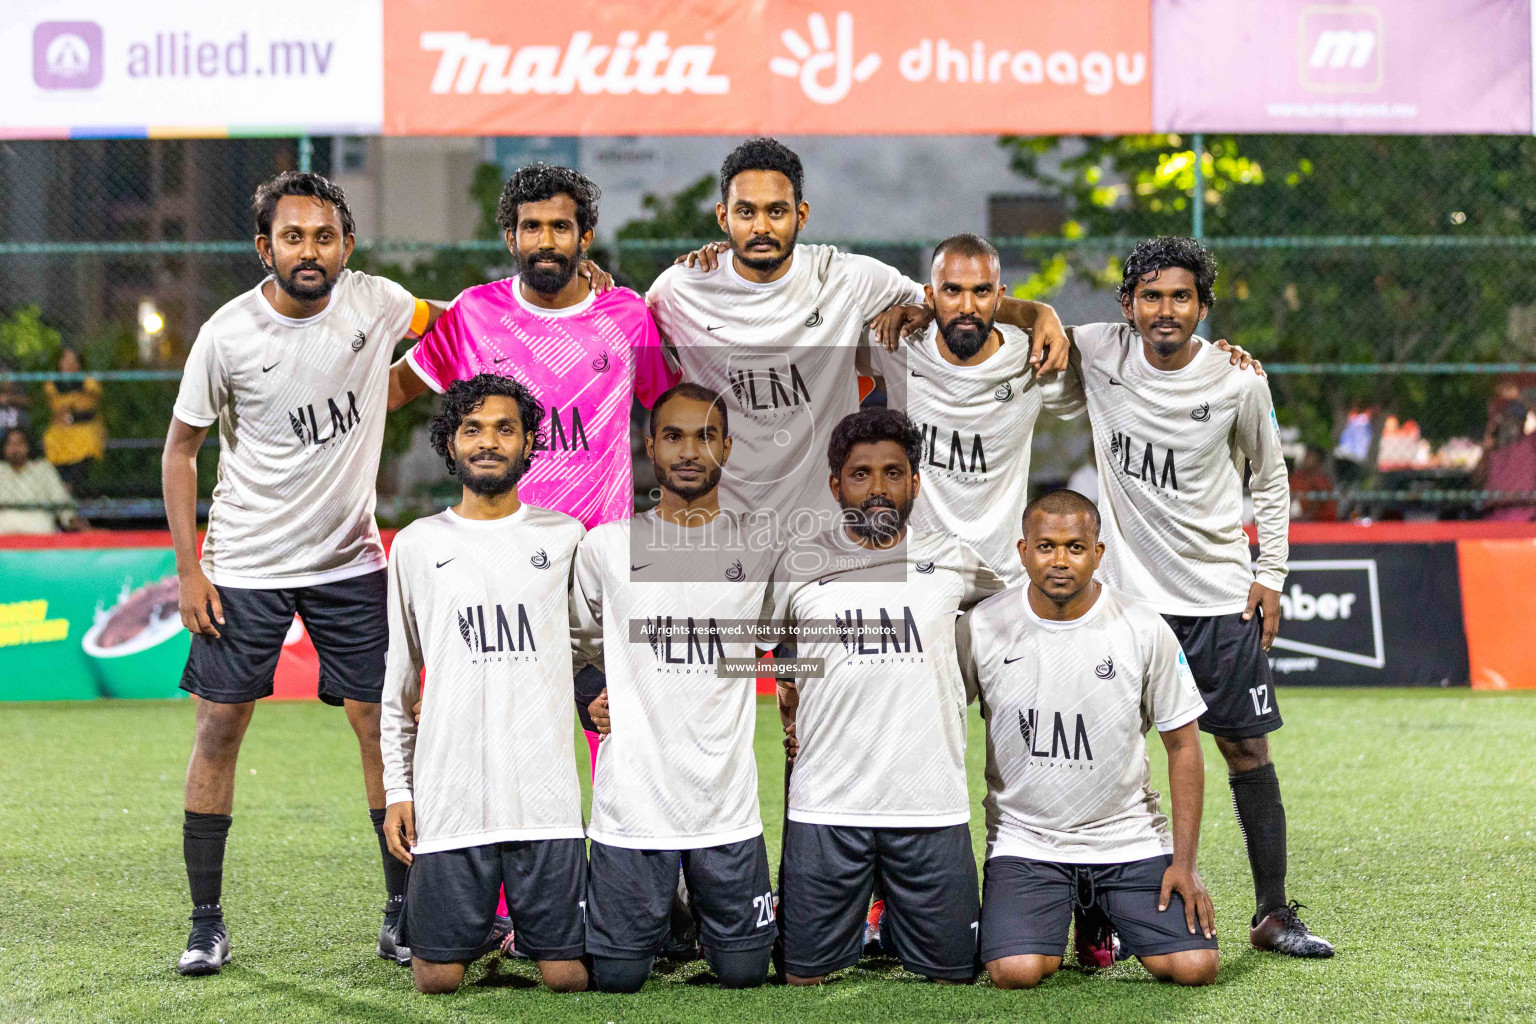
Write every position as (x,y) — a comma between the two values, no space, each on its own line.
(484,607)
(1171,447)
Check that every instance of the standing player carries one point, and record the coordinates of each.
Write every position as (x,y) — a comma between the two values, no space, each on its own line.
(968,384)
(483,793)
(296,372)
(878,787)
(1072,674)
(1173,425)
(778,324)
(677,776)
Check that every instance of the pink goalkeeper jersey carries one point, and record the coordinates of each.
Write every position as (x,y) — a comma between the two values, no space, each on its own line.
(584,363)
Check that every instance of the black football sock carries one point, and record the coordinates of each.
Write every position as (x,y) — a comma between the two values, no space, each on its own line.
(1261,816)
(394,871)
(202,846)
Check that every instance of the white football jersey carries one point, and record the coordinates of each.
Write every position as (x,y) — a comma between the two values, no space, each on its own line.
(484,607)
(785,353)
(978,426)
(300,406)
(1067,707)
(882,733)
(665,603)
(1171,447)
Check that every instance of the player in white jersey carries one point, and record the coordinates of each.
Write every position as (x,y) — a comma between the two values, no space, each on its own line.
(778,326)
(1173,427)
(295,371)
(676,778)
(483,792)
(968,383)
(878,786)
(1071,675)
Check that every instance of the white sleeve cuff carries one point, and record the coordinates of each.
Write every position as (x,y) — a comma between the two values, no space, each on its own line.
(191,419)
(397,796)
(426,378)
(1270,578)
(1179,721)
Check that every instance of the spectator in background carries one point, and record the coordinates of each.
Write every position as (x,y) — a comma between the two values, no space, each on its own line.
(75,433)
(1509,453)
(1311,474)
(13,404)
(28,481)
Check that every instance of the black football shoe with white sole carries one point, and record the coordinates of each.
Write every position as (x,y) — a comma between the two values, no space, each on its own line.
(207,948)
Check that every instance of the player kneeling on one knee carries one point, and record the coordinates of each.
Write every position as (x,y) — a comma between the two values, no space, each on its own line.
(1071,674)
(482,792)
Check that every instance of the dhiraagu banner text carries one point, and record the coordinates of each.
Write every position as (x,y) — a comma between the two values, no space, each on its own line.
(77,624)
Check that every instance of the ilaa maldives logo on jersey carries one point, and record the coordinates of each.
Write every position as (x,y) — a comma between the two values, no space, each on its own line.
(539,560)
(359,339)
(1004,391)
(1201,414)
(926,568)
(814,320)
(735,573)
(1105,669)
(600,364)
(1025,729)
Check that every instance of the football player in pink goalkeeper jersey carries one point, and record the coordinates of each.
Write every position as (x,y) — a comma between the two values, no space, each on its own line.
(584,352)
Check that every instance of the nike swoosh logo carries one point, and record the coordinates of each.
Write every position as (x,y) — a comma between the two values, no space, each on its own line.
(822,583)
(441,564)
(501,359)
(916,374)
(264,369)
(637,568)
(1116,383)
(715,328)
(1010,661)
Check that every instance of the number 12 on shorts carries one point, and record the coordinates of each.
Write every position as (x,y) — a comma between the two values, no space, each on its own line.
(1260,695)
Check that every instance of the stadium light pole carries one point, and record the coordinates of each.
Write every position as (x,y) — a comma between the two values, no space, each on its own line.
(1197,211)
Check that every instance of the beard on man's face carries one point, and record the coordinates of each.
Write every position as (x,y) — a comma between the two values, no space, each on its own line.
(546,271)
(763,253)
(701,485)
(877,518)
(488,474)
(304,290)
(966,334)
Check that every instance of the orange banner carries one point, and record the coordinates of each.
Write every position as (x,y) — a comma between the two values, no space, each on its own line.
(491,67)
(1499,606)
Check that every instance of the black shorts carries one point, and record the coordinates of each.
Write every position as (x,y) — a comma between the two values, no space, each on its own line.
(629,898)
(347,621)
(1026,907)
(450,899)
(1231,668)
(929,879)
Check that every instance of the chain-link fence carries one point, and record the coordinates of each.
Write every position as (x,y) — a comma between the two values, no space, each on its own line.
(1388,283)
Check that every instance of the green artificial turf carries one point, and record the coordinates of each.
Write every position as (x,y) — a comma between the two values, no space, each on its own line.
(1411,840)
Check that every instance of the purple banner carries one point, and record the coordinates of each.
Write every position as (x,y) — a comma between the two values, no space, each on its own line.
(1392,66)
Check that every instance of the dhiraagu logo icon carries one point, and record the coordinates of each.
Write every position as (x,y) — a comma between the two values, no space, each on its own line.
(66,55)
(825,65)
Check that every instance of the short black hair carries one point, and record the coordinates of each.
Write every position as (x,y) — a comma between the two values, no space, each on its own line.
(1063,502)
(298,183)
(465,396)
(538,182)
(697,392)
(5,439)
(762,154)
(965,244)
(868,426)
(1153,254)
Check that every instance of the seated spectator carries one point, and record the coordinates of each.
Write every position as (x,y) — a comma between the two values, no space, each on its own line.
(1311,474)
(75,433)
(1509,453)
(13,404)
(28,481)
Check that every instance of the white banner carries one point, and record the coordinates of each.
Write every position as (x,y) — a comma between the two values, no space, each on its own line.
(73,68)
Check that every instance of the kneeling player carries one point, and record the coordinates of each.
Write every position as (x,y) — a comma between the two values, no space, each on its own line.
(483,792)
(1072,674)
(676,777)
(878,787)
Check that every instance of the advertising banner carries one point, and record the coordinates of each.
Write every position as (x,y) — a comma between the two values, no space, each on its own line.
(857,66)
(89,68)
(1410,66)
(1371,615)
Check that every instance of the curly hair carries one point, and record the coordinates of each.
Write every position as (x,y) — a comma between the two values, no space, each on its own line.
(465,396)
(297,183)
(762,155)
(538,182)
(868,426)
(1153,254)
